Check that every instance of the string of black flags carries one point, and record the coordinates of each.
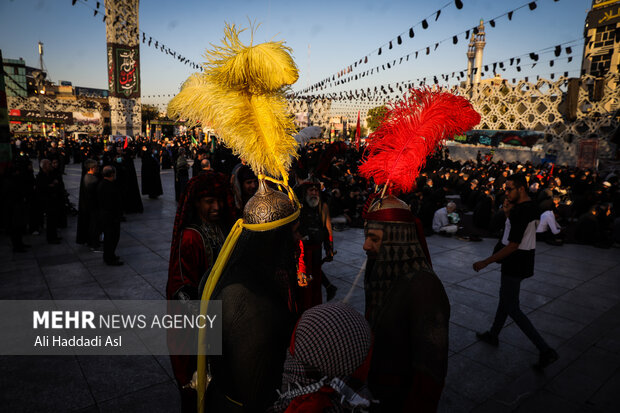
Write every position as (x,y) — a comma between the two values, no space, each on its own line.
(344,76)
(534,60)
(140,35)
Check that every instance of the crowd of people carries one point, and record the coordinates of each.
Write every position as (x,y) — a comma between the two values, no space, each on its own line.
(271,282)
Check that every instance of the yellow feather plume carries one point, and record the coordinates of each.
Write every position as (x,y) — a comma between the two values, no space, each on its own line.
(241,95)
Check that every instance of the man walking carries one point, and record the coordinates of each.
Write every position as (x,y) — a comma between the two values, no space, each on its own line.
(109,198)
(517,259)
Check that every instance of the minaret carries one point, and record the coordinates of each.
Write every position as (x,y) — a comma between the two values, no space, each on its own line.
(470,60)
(479,44)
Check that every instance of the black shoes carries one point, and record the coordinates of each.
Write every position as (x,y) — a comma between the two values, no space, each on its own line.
(488,338)
(331,291)
(546,358)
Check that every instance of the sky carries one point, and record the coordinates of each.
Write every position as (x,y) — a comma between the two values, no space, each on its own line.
(325,36)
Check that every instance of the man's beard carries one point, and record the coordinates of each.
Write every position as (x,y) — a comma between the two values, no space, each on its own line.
(313,201)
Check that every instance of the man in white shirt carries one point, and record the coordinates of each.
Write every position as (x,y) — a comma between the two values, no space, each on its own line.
(548,228)
(441,222)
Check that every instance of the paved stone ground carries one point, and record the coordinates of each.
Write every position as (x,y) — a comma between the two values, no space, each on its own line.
(573,299)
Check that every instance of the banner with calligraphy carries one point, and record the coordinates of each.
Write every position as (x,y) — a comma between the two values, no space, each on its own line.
(123,71)
(87,118)
(34,116)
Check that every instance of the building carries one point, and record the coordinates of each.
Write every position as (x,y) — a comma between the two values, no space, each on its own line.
(15,77)
(601,53)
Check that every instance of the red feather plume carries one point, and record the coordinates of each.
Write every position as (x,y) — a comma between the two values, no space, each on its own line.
(411,130)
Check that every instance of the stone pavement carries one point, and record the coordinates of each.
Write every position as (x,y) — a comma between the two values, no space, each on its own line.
(573,299)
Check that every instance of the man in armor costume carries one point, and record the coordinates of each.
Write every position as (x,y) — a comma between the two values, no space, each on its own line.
(316,231)
(198,234)
(257,288)
(408,311)
(242,94)
(406,304)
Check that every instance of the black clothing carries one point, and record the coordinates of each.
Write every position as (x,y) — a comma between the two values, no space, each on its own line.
(509,306)
(151,180)
(132,202)
(520,263)
(51,200)
(89,226)
(109,198)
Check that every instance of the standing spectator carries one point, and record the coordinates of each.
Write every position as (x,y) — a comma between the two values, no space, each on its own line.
(151,180)
(109,198)
(88,218)
(517,259)
(181,174)
(48,189)
(14,193)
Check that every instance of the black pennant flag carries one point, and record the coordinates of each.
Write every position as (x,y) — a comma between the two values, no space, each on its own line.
(512,60)
(455,40)
(390,44)
(467,35)
(428,50)
(558,50)
(534,56)
(399,40)
(510,15)
(569,50)
(532,5)
(570,59)
(437,15)
(411,33)
(379,51)
(492,23)
(424,24)
(550,62)
(458,4)
(436,46)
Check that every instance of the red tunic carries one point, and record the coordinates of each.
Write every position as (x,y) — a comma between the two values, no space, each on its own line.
(185,269)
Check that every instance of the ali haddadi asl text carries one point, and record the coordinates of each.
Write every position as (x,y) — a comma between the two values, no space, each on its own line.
(78,341)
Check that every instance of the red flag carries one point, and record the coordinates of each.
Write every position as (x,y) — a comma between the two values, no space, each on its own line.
(126,144)
(358,132)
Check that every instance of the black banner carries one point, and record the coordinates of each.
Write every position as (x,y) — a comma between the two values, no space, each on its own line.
(34,116)
(123,71)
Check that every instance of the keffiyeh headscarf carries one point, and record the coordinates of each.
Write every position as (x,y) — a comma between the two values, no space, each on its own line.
(327,362)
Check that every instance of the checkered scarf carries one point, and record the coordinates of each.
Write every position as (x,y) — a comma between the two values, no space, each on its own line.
(400,255)
(327,362)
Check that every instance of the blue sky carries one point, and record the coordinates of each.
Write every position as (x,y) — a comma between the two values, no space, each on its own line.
(337,33)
